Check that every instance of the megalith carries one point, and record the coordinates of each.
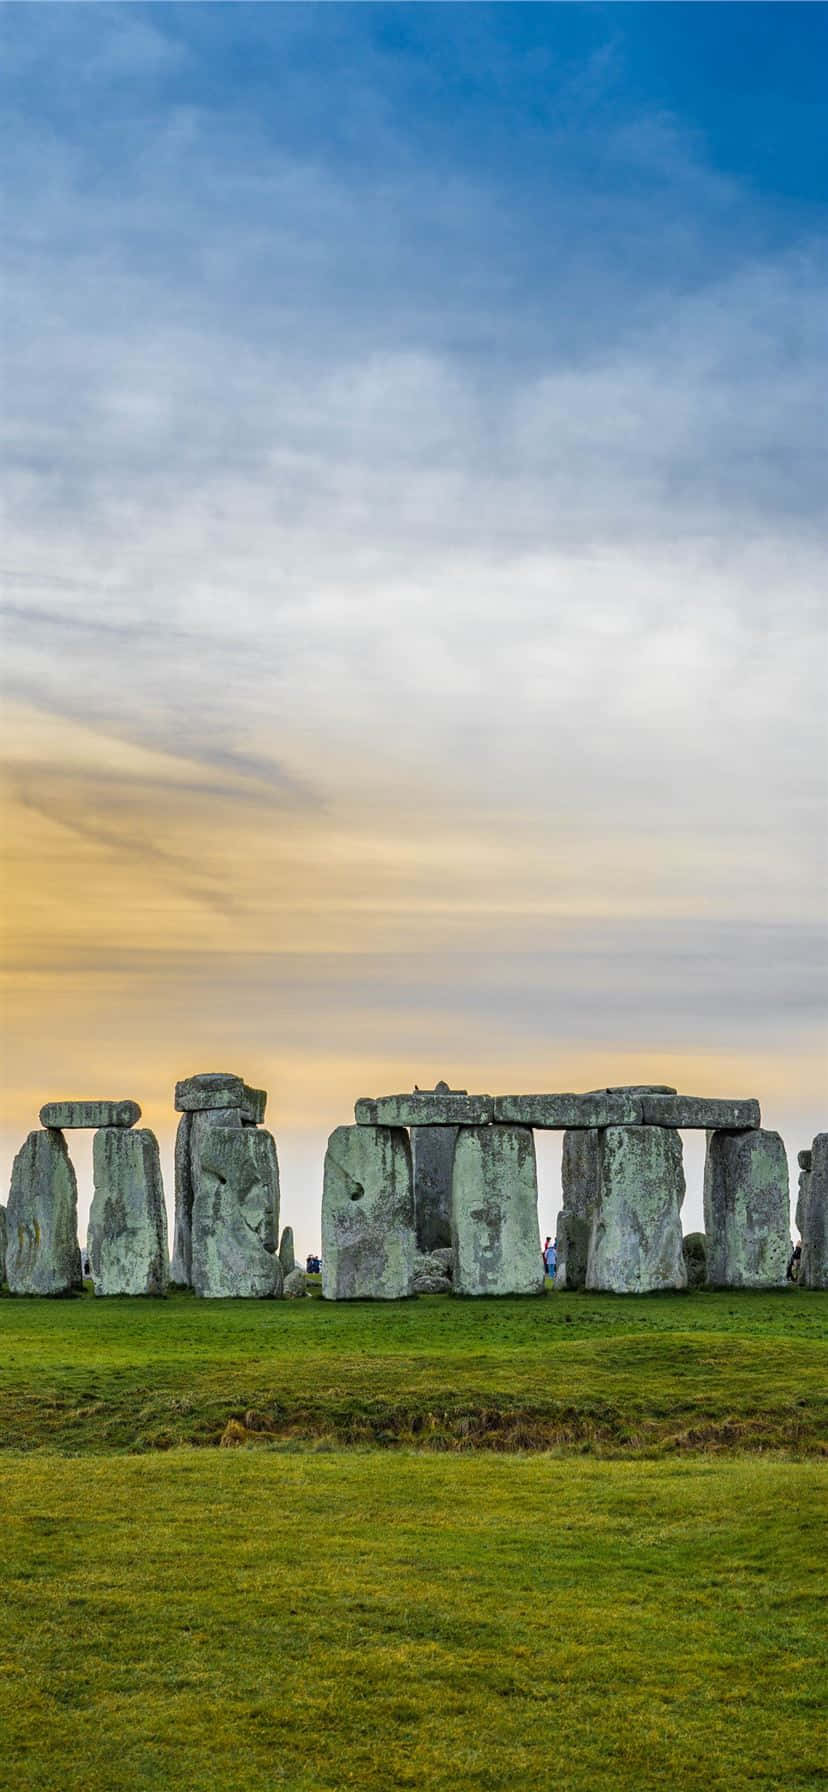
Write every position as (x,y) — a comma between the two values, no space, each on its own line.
(235,1211)
(635,1242)
(127,1235)
(804,1160)
(42,1250)
(580,1183)
(746,1209)
(2,1245)
(694,1246)
(432,1161)
(813,1268)
(494,1212)
(182,1253)
(287,1251)
(367,1215)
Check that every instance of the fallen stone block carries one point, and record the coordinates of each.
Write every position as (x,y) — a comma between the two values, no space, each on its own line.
(694,1247)
(558,1113)
(813,1268)
(295,1285)
(432,1274)
(42,1250)
(367,1215)
(235,1215)
(65,1115)
(127,1235)
(693,1112)
(746,1210)
(425,1107)
(635,1242)
(494,1212)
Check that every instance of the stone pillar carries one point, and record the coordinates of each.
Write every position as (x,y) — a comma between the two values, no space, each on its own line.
(127,1237)
(42,1250)
(432,1159)
(580,1181)
(235,1212)
(182,1257)
(804,1160)
(3,1235)
(367,1215)
(287,1251)
(813,1269)
(746,1210)
(635,1242)
(494,1212)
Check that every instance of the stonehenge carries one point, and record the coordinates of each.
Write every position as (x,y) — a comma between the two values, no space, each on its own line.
(429,1192)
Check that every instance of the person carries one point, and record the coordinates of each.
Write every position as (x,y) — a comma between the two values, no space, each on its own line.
(795,1260)
(546,1243)
(550,1257)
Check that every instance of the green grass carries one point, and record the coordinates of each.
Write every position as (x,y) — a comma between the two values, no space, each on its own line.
(579,1372)
(376,1619)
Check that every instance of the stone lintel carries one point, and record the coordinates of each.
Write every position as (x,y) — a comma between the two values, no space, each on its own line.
(559,1113)
(702,1112)
(425,1108)
(69,1115)
(219,1089)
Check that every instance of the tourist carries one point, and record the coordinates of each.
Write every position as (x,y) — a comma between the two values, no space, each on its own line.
(550,1257)
(794,1262)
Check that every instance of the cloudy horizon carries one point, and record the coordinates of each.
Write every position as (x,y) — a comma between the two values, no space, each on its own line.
(414,557)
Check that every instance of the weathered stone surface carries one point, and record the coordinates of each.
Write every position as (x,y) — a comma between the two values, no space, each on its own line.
(804,1159)
(235,1216)
(425,1107)
(287,1251)
(295,1285)
(444,1255)
(694,1246)
(746,1210)
(42,1250)
(494,1212)
(127,1236)
(367,1215)
(432,1274)
(635,1242)
(580,1182)
(219,1089)
(64,1115)
(697,1111)
(803,1187)
(3,1236)
(813,1269)
(557,1113)
(432,1159)
(182,1253)
(636,1089)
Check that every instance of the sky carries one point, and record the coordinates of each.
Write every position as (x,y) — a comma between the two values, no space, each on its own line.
(414,558)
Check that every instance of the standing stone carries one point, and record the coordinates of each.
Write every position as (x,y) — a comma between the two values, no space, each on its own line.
(432,1160)
(580,1182)
(635,1243)
(494,1212)
(127,1236)
(367,1215)
(813,1269)
(182,1257)
(2,1245)
(287,1251)
(746,1210)
(235,1213)
(42,1250)
(804,1160)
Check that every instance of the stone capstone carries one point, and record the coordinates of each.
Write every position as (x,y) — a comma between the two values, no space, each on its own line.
(287,1251)
(182,1254)
(580,1183)
(64,1115)
(367,1215)
(219,1089)
(42,1250)
(494,1212)
(425,1107)
(557,1113)
(746,1210)
(699,1111)
(235,1213)
(694,1247)
(432,1159)
(813,1268)
(635,1241)
(127,1235)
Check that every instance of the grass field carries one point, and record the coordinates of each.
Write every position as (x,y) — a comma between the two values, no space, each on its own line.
(365,1593)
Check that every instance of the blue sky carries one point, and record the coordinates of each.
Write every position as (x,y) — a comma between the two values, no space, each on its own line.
(414,556)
